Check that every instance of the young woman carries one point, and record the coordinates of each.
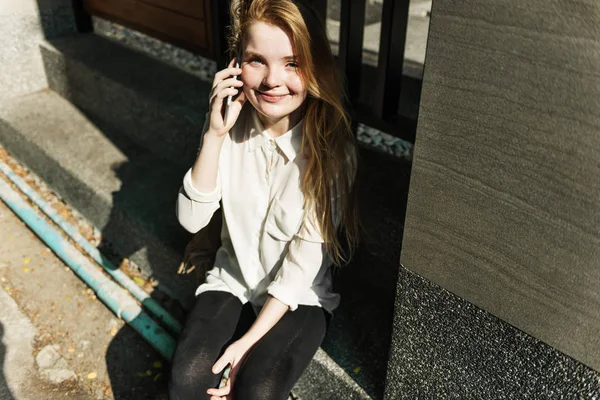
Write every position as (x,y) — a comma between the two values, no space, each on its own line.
(283,167)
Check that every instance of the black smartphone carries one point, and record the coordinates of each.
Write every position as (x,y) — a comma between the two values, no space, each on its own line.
(238,63)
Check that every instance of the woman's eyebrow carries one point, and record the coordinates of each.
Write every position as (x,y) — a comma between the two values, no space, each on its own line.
(252,54)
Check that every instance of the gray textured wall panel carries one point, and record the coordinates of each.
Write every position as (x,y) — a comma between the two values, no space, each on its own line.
(504,204)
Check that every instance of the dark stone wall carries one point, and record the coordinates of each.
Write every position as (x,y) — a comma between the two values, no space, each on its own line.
(504,202)
(446,348)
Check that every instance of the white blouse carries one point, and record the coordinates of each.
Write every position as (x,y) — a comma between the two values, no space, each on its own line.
(270,244)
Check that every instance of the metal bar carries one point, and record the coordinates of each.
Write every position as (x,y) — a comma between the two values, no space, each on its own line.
(83,20)
(220,21)
(352,22)
(320,6)
(394,20)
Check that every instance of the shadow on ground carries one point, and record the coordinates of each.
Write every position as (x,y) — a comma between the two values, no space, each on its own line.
(360,334)
(5,393)
(136,371)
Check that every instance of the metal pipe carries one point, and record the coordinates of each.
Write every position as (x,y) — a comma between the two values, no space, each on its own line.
(147,301)
(117,299)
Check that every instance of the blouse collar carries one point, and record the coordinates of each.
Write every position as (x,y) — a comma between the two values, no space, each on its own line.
(290,143)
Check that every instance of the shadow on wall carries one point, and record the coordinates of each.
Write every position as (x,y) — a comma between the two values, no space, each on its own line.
(5,393)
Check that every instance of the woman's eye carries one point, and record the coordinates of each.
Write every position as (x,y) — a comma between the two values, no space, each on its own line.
(255,61)
(293,65)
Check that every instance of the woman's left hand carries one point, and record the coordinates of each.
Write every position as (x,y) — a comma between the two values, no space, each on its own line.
(233,355)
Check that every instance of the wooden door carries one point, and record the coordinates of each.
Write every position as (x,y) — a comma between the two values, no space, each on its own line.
(184,23)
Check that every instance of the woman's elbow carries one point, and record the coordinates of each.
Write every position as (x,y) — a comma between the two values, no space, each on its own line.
(192,225)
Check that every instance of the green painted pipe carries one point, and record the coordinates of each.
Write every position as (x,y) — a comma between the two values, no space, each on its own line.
(148,302)
(117,299)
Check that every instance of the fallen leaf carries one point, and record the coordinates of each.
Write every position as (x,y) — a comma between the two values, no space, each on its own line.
(139,281)
(157,364)
(71,350)
(26,261)
(157,376)
(25,269)
(356,370)
(113,331)
(92,375)
(68,298)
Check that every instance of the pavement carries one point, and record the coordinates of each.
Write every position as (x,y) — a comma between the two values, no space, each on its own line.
(57,340)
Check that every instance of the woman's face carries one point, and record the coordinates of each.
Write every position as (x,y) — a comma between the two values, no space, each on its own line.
(270,75)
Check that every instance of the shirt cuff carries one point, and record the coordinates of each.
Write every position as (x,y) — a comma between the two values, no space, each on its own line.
(196,195)
(279,291)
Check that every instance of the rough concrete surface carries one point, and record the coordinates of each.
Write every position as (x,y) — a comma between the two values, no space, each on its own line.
(52,327)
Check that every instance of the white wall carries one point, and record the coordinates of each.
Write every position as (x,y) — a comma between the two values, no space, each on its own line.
(23,24)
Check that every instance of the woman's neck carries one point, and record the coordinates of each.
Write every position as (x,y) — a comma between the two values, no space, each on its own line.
(278,127)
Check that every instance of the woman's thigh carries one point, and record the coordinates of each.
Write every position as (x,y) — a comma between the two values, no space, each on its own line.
(216,320)
(276,362)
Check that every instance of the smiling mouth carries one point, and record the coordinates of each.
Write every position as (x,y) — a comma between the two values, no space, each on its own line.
(271,98)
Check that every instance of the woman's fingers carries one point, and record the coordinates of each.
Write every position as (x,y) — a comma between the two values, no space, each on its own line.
(234,109)
(223,391)
(218,99)
(225,73)
(225,84)
(231,82)
(222,362)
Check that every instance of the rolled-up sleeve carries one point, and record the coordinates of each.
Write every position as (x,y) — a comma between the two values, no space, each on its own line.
(300,266)
(194,208)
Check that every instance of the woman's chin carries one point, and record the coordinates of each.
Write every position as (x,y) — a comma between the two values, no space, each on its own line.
(272,111)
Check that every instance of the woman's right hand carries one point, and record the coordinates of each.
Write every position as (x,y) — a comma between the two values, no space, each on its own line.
(225,85)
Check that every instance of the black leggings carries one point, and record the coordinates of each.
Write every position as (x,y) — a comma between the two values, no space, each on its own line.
(270,368)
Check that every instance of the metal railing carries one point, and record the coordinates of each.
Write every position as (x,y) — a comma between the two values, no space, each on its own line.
(377,107)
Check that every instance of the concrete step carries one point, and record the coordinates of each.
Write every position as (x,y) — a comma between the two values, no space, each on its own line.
(125,190)
(159,107)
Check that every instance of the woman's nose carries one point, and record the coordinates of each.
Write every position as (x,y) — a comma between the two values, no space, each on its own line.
(273,77)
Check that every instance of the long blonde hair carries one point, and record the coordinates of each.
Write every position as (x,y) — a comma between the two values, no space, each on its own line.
(328,142)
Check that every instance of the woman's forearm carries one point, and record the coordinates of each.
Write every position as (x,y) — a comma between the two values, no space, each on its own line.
(204,171)
(271,313)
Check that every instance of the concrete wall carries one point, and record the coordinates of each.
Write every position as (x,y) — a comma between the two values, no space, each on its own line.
(499,292)
(22,24)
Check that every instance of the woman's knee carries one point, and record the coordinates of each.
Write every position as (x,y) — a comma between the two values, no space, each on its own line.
(265,388)
(190,377)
